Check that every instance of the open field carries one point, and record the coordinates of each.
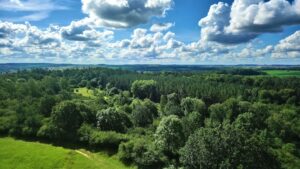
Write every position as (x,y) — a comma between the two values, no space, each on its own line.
(283,73)
(85,92)
(17,154)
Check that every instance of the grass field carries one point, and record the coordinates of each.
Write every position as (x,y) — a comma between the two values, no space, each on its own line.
(85,92)
(283,73)
(17,154)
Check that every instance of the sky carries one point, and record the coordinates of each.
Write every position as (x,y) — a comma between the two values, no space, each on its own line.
(198,32)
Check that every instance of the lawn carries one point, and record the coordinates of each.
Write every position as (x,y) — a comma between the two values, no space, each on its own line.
(283,73)
(17,154)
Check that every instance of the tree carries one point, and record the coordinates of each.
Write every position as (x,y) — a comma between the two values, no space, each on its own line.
(145,89)
(169,136)
(46,105)
(142,153)
(229,110)
(173,105)
(226,147)
(286,124)
(143,113)
(66,118)
(163,102)
(112,120)
(192,105)
(191,122)
(217,112)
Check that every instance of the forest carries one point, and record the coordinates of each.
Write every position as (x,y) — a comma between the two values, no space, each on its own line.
(214,119)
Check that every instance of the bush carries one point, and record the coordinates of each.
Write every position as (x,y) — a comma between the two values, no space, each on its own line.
(100,139)
(142,153)
(6,123)
(104,139)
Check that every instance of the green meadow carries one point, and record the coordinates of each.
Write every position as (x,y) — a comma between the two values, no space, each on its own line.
(283,73)
(17,154)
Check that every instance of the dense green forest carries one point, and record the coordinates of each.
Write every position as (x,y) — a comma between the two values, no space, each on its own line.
(237,119)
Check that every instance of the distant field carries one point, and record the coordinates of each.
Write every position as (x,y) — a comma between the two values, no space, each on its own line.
(283,73)
(16,154)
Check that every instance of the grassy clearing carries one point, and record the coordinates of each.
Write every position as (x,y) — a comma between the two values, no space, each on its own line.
(17,154)
(85,92)
(283,73)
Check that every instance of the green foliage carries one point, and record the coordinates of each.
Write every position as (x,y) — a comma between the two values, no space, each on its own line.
(112,120)
(191,122)
(67,118)
(145,89)
(100,139)
(286,124)
(143,112)
(142,153)
(173,105)
(229,110)
(226,147)
(169,136)
(46,105)
(193,105)
(247,117)
(282,96)
(288,156)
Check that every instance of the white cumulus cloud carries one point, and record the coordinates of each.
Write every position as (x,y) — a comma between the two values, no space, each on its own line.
(288,47)
(125,13)
(246,19)
(160,27)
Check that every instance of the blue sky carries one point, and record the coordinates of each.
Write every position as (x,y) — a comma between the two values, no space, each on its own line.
(150,31)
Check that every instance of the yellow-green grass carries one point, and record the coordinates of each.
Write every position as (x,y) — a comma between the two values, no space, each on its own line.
(283,73)
(85,92)
(18,154)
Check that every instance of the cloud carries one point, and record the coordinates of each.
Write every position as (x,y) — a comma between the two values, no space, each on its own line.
(213,26)
(244,20)
(81,42)
(34,10)
(36,16)
(23,35)
(83,31)
(168,36)
(288,47)
(77,31)
(173,44)
(72,42)
(161,27)
(8,28)
(125,13)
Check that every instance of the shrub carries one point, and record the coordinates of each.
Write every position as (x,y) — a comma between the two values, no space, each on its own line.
(100,139)
(142,153)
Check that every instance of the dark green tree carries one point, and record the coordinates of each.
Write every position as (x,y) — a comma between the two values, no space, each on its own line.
(145,89)
(112,120)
